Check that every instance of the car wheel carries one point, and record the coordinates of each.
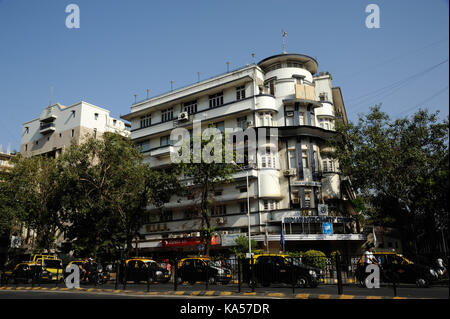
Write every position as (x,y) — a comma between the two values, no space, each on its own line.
(179,280)
(302,281)
(212,281)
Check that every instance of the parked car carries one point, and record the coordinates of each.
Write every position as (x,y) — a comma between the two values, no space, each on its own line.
(395,267)
(195,269)
(143,269)
(22,272)
(279,268)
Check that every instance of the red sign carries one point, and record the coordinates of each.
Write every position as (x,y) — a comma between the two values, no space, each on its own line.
(180,242)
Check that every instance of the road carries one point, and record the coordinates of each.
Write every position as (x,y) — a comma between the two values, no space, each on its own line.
(184,290)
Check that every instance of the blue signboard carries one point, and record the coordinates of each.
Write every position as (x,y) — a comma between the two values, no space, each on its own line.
(327,228)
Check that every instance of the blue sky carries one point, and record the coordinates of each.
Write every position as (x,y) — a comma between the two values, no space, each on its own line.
(124,47)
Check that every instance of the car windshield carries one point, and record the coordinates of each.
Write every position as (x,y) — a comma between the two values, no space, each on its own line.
(52,263)
(294,261)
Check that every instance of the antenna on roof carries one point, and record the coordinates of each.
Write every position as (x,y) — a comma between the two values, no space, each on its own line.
(253,57)
(228,66)
(135,95)
(198,76)
(148,90)
(51,95)
(171,85)
(284,35)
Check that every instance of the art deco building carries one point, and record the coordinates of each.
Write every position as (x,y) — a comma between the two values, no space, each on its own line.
(58,125)
(298,188)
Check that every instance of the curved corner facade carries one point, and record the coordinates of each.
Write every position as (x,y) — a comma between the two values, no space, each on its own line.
(296,185)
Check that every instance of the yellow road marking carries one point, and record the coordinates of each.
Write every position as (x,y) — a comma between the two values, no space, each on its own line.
(302,296)
(324,296)
(226,293)
(209,293)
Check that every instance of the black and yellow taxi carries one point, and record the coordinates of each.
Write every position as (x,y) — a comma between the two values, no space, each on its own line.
(144,269)
(50,266)
(193,269)
(395,267)
(23,272)
(279,268)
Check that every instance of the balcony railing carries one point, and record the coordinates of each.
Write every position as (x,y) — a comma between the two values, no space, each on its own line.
(47,127)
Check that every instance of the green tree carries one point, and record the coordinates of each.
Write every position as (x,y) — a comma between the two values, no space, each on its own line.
(108,189)
(33,191)
(398,167)
(241,247)
(206,176)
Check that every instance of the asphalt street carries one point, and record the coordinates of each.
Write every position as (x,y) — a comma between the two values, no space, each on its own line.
(408,291)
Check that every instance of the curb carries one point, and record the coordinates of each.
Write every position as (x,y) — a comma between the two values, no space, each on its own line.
(206,293)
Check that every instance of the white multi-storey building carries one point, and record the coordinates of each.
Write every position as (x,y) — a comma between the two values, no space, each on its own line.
(286,187)
(59,125)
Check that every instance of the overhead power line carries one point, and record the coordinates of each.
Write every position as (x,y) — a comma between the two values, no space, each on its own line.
(391,88)
(420,104)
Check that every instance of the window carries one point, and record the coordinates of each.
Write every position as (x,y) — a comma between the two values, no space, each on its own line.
(73,113)
(216,100)
(292,154)
(114,122)
(242,122)
(143,146)
(323,96)
(268,160)
(307,199)
(270,204)
(220,126)
(305,159)
(243,189)
(265,119)
(26,147)
(95,133)
(167,115)
(27,130)
(190,107)
(218,210)
(243,207)
(301,118)
(96,116)
(289,118)
(326,123)
(327,164)
(166,216)
(146,120)
(73,133)
(240,92)
(165,140)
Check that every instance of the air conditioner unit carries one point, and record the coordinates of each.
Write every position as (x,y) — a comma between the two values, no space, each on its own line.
(249,123)
(295,200)
(289,113)
(220,220)
(290,172)
(183,116)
